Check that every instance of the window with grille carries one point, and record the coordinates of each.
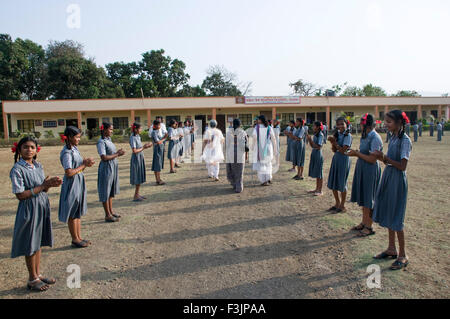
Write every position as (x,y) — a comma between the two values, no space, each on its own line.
(25,125)
(287,117)
(49,124)
(246,119)
(120,123)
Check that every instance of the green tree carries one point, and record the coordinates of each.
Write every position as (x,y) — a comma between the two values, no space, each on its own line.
(220,82)
(12,63)
(125,76)
(407,93)
(305,88)
(167,75)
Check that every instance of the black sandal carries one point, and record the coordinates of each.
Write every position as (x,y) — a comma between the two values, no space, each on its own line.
(384,255)
(359,227)
(116,215)
(39,284)
(370,229)
(397,265)
(48,281)
(81,244)
(331,208)
(111,219)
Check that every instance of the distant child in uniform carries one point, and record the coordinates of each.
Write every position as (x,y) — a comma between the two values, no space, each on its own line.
(158,138)
(108,171)
(390,200)
(341,141)
(316,162)
(439,132)
(73,197)
(137,163)
(416,131)
(33,225)
(367,173)
(290,146)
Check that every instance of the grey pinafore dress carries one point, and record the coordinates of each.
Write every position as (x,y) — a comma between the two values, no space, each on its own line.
(390,200)
(72,200)
(439,132)
(289,146)
(33,225)
(316,162)
(108,171)
(367,176)
(340,166)
(300,147)
(158,152)
(174,149)
(137,163)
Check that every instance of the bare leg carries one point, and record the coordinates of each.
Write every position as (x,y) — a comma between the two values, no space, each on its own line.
(300,171)
(106,208)
(401,243)
(136,192)
(391,248)
(336,198)
(73,230)
(319,183)
(343,198)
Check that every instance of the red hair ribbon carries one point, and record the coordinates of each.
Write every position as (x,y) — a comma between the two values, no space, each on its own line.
(38,149)
(303,122)
(14,148)
(63,138)
(133,127)
(101,128)
(321,126)
(405,117)
(378,121)
(364,119)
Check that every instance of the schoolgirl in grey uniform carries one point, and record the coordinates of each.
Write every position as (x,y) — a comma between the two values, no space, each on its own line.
(73,196)
(431,128)
(439,131)
(33,226)
(341,141)
(137,163)
(174,149)
(289,142)
(390,200)
(416,131)
(316,162)
(158,138)
(367,173)
(108,171)
(299,140)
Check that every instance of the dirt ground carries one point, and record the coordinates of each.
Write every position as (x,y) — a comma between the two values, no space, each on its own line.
(195,238)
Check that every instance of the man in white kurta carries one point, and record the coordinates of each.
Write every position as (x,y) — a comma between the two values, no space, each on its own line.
(265,152)
(212,152)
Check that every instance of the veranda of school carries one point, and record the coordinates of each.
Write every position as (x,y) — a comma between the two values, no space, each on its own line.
(53,115)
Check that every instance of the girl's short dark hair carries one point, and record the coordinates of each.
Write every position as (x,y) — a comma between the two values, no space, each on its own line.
(172,122)
(156,122)
(19,147)
(70,131)
(262,118)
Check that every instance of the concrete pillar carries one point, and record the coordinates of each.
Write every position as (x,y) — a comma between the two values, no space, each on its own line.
(439,112)
(149,119)
(213,114)
(132,117)
(327,116)
(274,113)
(376,114)
(419,112)
(79,120)
(5,124)
(386,109)
(447,113)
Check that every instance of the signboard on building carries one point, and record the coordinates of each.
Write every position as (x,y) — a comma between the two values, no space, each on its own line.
(268,100)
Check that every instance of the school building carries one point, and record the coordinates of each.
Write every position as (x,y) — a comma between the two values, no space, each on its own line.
(55,115)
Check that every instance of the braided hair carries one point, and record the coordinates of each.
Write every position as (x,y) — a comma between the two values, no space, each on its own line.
(70,131)
(18,147)
(262,118)
(399,117)
(105,126)
(367,121)
(347,131)
(302,121)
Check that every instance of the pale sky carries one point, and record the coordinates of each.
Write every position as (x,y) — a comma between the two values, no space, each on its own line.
(401,44)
